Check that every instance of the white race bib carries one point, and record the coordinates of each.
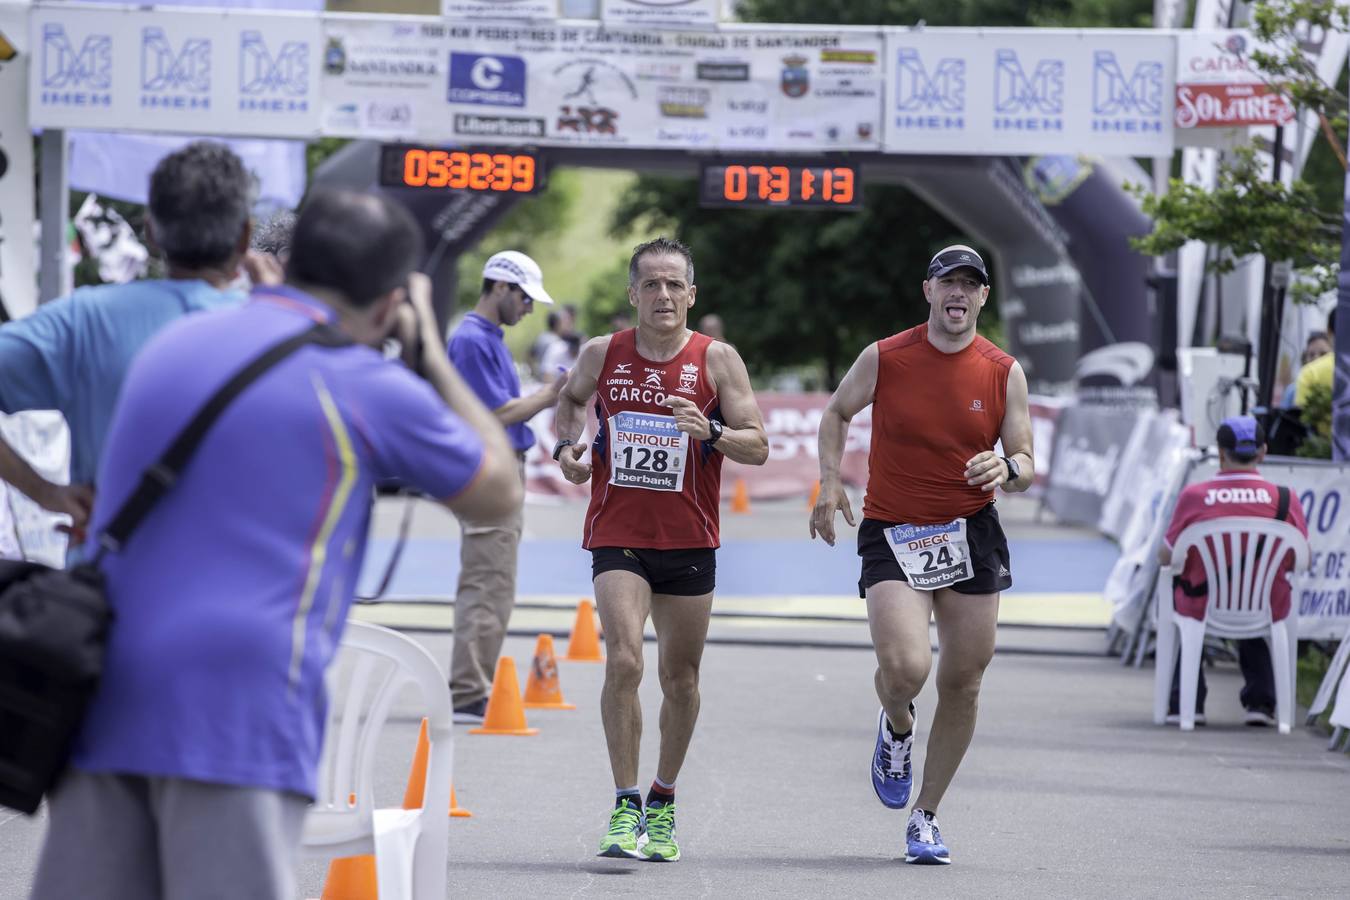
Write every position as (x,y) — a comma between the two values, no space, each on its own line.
(932,556)
(646,451)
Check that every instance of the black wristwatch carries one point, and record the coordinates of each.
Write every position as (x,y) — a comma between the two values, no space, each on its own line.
(1014,471)
(714,432)
(558,447)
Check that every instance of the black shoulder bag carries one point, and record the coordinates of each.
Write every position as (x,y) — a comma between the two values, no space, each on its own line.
(54,622)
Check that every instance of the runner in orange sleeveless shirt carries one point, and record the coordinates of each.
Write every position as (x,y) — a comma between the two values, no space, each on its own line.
(671,403)
(930,540)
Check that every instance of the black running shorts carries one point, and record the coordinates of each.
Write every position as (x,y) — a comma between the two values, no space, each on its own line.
(682,573)
(988,554)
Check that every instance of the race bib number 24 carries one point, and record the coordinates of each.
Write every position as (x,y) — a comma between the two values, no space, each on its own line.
(932,556)
(646,451)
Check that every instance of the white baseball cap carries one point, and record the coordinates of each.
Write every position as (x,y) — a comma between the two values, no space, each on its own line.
(514,267)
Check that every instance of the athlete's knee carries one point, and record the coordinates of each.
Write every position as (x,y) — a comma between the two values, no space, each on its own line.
(961,684)
(623,668)
(679,682)
(903,673)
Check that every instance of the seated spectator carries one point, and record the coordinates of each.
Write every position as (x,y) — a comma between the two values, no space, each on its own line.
(198,755)
(1242,444)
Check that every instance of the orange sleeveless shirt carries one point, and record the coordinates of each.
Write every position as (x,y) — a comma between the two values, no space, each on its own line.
(932,412)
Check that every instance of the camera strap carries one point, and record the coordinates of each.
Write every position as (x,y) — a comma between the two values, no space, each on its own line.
(158,478)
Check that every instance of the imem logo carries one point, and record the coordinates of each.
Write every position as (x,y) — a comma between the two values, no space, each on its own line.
(1131,102)
(271,83)
(75,76)
(174,77)
(1027,101)
(929,100)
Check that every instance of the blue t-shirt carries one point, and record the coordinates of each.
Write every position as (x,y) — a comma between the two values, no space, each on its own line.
(478,350)
(230,598)
(72,354)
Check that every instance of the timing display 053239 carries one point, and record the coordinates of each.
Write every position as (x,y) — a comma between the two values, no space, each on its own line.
(481,170)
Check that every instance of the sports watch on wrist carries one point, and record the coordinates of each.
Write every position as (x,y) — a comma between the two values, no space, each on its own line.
(1014,471)
(558,448)
(714,432)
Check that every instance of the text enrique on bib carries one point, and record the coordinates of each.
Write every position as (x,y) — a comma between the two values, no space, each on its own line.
(646,451)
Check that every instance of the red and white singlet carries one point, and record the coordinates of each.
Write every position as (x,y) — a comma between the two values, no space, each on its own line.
(652,487)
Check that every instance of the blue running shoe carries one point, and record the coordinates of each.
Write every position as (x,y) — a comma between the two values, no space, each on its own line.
(924,841)
(892,777)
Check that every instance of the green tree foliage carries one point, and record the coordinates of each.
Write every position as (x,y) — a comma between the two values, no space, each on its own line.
(1246,213)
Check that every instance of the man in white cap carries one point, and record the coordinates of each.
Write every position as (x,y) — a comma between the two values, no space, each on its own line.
(512,283)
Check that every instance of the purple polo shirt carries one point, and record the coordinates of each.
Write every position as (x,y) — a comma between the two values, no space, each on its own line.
(230,598)
(478,350)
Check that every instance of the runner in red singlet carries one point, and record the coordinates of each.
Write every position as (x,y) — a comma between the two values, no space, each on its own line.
(930,540)
(671,403)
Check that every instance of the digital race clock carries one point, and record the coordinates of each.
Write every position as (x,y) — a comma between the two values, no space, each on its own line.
(778,183)
(488,171)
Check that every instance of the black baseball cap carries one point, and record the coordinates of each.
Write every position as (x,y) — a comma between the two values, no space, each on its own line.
(957,256)
(1242,436)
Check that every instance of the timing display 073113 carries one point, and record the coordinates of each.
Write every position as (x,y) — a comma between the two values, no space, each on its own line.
(813,185)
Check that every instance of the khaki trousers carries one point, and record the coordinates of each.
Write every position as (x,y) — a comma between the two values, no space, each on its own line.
(483,602)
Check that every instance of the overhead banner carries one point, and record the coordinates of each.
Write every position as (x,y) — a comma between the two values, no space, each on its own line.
(661,13)
(958,91)
(500,9)
(154,70)
(1219,87)
(612,87)
(18,285)
(383,79)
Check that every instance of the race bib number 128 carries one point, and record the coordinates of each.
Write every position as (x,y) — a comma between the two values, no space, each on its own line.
(932,556)
(646,451)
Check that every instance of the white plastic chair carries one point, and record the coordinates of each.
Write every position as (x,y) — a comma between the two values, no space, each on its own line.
(1240,581)
(409,847)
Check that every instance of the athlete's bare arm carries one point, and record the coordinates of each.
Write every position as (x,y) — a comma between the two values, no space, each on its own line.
(569,420)
(743,437)
(858,389)
(987,469)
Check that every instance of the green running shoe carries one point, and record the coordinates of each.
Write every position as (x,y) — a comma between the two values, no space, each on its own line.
(627,832)
(661,846)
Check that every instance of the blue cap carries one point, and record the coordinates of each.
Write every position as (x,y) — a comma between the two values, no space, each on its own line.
(1242,436)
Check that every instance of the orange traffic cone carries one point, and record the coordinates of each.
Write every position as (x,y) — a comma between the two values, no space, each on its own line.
(815,495)
(542,688)
(740,498)
(504,714)
(584,644)
(351,878)
(414,793)
(457,811)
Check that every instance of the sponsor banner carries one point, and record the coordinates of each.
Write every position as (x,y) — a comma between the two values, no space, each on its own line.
(587,85)
(1322,594)
(1045,413)
(661,13)
(153,70)
(1159,437)
(1089,444)
(18,286)
(1029,91)
(500,9)
(1219,87)
(382,78)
